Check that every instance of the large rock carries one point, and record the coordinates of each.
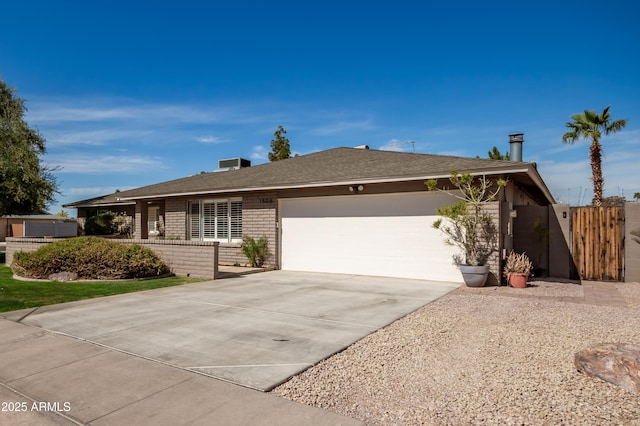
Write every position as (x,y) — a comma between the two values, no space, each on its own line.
(63,276)
(617,363)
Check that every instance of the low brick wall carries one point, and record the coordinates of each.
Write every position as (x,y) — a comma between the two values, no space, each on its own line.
(230,254)
(15,245)
(186,258)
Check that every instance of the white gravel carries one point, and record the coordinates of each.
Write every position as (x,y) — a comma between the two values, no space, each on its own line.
(481,356)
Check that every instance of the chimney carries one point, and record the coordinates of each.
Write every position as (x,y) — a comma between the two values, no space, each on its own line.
(515,146)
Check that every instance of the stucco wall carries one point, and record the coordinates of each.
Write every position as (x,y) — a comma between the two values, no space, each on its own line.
(632,243)
(530,235)
(186,258)
(560,259)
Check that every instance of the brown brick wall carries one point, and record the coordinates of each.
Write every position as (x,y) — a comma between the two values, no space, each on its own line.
(186,258)
(142,215)
(230,254)
(15,245)
(175,220)
(259,218)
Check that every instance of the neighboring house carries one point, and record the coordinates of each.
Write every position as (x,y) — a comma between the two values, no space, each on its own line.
(36,225)
(343,210)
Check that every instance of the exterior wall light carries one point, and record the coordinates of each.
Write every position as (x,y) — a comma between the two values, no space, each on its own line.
(356,188)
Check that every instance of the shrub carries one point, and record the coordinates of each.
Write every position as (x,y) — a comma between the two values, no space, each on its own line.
(90,258)
(256,251)
(100,224)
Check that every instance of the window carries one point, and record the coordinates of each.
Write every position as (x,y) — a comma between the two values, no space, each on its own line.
(216,220)
(153,224)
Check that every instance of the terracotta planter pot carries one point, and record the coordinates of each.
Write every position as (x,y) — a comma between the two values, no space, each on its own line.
(518,280)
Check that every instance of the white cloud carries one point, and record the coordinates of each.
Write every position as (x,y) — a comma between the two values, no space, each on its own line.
(342,126)
(570,181)
(209,139)
(89,110)
(260,153)
(95,191)
(104,163)
(97,137)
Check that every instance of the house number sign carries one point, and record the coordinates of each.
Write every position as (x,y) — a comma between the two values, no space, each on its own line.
(266,200)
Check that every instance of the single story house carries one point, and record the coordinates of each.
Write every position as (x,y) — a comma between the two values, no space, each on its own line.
(36,225)
(343,210)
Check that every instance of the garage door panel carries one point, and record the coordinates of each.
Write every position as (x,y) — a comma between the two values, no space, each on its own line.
(338,234)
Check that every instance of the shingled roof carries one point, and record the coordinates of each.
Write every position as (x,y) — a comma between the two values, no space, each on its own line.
(324,168)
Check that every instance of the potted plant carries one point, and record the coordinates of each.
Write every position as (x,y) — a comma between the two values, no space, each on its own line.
(467,224)
(517,269)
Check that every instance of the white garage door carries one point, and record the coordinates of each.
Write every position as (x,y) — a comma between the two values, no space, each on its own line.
(382,234)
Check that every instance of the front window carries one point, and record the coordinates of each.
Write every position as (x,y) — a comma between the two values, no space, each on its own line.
(153,225)
(216,220)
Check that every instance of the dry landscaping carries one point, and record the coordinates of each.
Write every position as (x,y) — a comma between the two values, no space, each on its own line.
(493,355)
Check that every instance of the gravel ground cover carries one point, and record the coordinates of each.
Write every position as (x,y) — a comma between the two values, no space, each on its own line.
(481,356)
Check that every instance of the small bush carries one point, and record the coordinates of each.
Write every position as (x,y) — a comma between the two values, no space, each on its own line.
(256,251)
(100,224)
(90,258)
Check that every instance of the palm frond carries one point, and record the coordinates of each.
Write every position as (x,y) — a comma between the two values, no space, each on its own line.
(615,126)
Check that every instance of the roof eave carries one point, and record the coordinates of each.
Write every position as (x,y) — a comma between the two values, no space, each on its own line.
(116,203)
(537,179)
(523,168)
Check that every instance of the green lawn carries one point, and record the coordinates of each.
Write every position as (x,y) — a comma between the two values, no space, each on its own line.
(15,294)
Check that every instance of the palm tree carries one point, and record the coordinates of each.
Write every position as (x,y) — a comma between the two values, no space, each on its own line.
(590,125)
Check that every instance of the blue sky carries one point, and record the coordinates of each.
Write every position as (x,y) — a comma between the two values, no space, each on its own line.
(134,93)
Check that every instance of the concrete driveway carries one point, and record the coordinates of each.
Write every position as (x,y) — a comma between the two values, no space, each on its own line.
(254,330)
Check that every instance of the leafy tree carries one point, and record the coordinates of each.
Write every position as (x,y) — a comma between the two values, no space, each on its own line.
(26,186)
(590,125)
(280,149)
(495,154)
(636,196)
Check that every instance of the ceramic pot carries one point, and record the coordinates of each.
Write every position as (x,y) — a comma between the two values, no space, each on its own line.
(474,276)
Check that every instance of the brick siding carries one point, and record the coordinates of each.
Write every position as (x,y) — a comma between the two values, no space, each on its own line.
(186,258)
(259,219)
(175,219)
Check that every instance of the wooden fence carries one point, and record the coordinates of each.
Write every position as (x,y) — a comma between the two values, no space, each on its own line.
(597,242)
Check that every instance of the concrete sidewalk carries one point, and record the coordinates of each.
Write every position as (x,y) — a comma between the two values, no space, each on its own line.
(50,379)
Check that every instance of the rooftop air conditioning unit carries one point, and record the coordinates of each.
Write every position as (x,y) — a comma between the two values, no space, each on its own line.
(233,164)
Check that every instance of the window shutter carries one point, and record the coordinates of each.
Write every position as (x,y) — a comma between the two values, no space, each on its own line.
(236,220)
(219,220)
(222,220)
(209,220)
(194,220)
